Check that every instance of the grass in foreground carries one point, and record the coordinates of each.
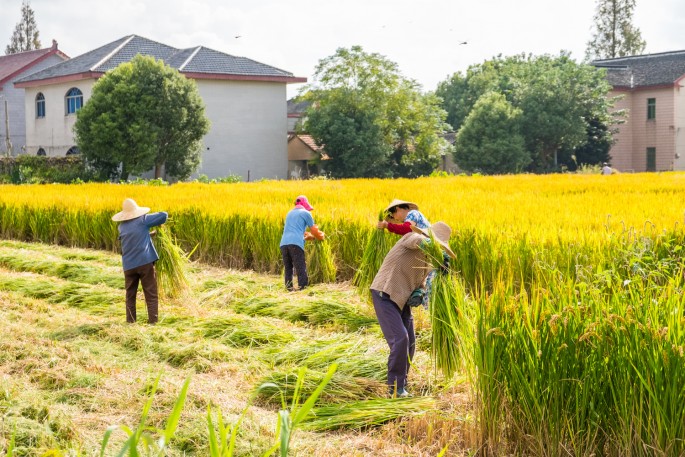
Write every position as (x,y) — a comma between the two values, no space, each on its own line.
(70,367)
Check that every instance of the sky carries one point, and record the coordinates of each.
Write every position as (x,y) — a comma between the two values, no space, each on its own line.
(424,38)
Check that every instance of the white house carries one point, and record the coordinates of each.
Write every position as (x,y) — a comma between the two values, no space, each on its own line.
(12,113)
(245,102)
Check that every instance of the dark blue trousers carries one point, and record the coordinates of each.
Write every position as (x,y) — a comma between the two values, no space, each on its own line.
(398,330)
(293,257)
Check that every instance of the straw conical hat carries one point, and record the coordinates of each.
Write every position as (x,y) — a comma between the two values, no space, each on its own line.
(131,210)
(397,202)
(441,232)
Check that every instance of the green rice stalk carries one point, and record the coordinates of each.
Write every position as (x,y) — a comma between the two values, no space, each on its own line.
(377,247)
(172,265)
(243,331)
(222,445)
(320,262)
(318,312)
(280,386)
(77,271)
(368,413)
(355,356)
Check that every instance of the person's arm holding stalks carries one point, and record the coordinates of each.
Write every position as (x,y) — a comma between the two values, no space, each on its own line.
(314,234)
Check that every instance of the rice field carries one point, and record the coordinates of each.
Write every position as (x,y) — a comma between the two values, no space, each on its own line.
(567,293)
(71,367)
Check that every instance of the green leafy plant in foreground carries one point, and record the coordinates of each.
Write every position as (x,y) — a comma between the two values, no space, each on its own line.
(222,439)
(290,419)
(143,434)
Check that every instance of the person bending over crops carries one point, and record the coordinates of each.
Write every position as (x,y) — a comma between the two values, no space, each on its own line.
(403,270)
(409,215)
(297,221)
(138,256)
(401,216)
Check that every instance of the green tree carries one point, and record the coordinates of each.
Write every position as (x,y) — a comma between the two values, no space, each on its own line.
(370,119)
(614,35)
(25,36)
(557,98)
(490,139)
(142,115)
(352,133)
(594,151)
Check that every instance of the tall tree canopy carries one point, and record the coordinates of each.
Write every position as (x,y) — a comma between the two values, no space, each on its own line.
(614,35)
(556,96)
(142,115)
(25,36)
(490,140)
(371,121)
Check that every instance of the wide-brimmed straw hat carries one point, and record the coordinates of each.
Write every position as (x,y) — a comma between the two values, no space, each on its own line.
(131,210)
(397,202)
(441,232)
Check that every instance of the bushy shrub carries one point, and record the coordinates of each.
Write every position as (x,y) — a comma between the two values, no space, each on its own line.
(26,169)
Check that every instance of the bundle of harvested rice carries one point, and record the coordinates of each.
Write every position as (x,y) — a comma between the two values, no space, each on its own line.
(368,413)
(172,265)
(377,247)
(341,387)
(320,262)
(444,311)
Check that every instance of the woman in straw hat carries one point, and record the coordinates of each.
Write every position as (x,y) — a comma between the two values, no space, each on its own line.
(409,214)
(297,221)
(403,270)
(138,256)
(402,215)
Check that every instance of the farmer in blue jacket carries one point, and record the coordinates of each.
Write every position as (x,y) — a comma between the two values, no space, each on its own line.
(138,256)
(297,221)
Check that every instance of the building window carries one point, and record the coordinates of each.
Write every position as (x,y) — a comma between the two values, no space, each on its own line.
(651,159)
(651,108)
(73,151)
(74,100)
(41,152)
(40,105)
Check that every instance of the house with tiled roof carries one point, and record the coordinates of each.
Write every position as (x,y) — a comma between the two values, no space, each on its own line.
(651,90)
(304,156)
(245,101)
(12,68)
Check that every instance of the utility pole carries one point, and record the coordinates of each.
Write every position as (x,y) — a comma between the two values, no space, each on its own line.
(8,143)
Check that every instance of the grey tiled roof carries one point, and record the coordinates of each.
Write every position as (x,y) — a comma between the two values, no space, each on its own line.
(210,61)
(298,107)
(643,71)
(204,60)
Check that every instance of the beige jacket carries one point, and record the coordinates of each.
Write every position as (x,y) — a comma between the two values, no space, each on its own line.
(404,269)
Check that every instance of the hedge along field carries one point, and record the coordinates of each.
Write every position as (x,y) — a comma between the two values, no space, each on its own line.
(572,316)
(502,225)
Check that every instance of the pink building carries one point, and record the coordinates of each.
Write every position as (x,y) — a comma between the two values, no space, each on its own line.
(651,92)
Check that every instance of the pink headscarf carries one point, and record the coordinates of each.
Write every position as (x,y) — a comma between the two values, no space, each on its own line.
(303,202)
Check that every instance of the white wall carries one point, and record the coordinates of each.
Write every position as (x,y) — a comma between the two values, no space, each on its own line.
(679,162)
(247,132)
(16,107)
(248,129)
(54,132)
(622,151)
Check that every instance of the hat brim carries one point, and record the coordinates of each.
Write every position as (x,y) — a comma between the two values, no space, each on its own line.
(122,216)
(444,245)
(412,206)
